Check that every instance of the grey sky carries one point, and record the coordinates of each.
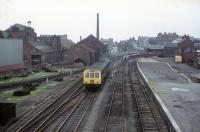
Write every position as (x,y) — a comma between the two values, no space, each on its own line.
(119,19)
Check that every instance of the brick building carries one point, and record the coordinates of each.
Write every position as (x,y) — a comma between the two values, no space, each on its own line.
(86,51)
(186,45)
(21,32)
(53,48)
(94,44)
(166,38)
(62,40)
(43,51)
(186,49)
(80,53)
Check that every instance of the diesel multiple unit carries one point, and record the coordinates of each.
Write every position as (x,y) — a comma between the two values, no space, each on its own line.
(94,75)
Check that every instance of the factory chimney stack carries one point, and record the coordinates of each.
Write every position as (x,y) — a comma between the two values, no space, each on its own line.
(97,26)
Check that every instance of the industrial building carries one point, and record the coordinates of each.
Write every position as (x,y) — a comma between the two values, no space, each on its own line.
(86,51)
(44,53)
(170,50)
(51,49)
(155,50)
(21,32)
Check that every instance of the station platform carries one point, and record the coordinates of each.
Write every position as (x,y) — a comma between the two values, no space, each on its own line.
(176,94)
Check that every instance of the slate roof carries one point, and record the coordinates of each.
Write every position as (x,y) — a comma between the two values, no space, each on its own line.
(197,45)
(83,46)
(43,47)
(155,47)
(92,42)
(19,26)
(172,45)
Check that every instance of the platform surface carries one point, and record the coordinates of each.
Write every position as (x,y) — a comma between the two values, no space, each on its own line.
(180,96)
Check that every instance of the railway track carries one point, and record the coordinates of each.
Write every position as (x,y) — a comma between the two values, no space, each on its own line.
(61,113)
(147,117)
(70,110)
(116,113)
(48,104)
(76,116)
(54,108)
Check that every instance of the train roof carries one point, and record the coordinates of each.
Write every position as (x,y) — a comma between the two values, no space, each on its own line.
(92,70)
(101,64)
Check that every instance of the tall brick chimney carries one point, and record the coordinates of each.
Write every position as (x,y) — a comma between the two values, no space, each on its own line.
(97,26)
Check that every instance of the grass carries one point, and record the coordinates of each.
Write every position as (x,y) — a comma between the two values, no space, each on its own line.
(7,96)
(35,75)
(29,77)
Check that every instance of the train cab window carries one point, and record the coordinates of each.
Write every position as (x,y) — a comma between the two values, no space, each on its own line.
(96,75)
(87,75)
(91,75)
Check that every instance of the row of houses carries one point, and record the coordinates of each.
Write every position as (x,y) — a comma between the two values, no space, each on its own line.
(177,47)
(36,50)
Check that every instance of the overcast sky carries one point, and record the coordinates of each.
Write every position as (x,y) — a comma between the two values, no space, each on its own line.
(119,19)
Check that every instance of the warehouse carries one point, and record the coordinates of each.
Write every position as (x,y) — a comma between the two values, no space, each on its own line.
(42,53)
(93,43)
(86,51)
(80,53)
(155,50)
(170,50)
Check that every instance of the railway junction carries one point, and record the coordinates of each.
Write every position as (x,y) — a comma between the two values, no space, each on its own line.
(139,94)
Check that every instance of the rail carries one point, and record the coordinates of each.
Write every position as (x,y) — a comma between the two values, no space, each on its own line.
(144,109)
(166,116)
(52,106)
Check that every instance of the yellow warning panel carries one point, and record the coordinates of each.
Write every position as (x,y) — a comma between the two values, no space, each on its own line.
(178,59)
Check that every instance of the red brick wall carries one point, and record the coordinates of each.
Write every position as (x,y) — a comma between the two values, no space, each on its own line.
(25,35)
(28,51)
(79,52)
(187,43)
(11,67)
(56,42)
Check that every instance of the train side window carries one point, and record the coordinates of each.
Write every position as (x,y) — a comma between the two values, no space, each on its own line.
(87,75)
(91,75)
(96,75)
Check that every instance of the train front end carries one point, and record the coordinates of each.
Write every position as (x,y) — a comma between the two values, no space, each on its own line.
(92,78)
